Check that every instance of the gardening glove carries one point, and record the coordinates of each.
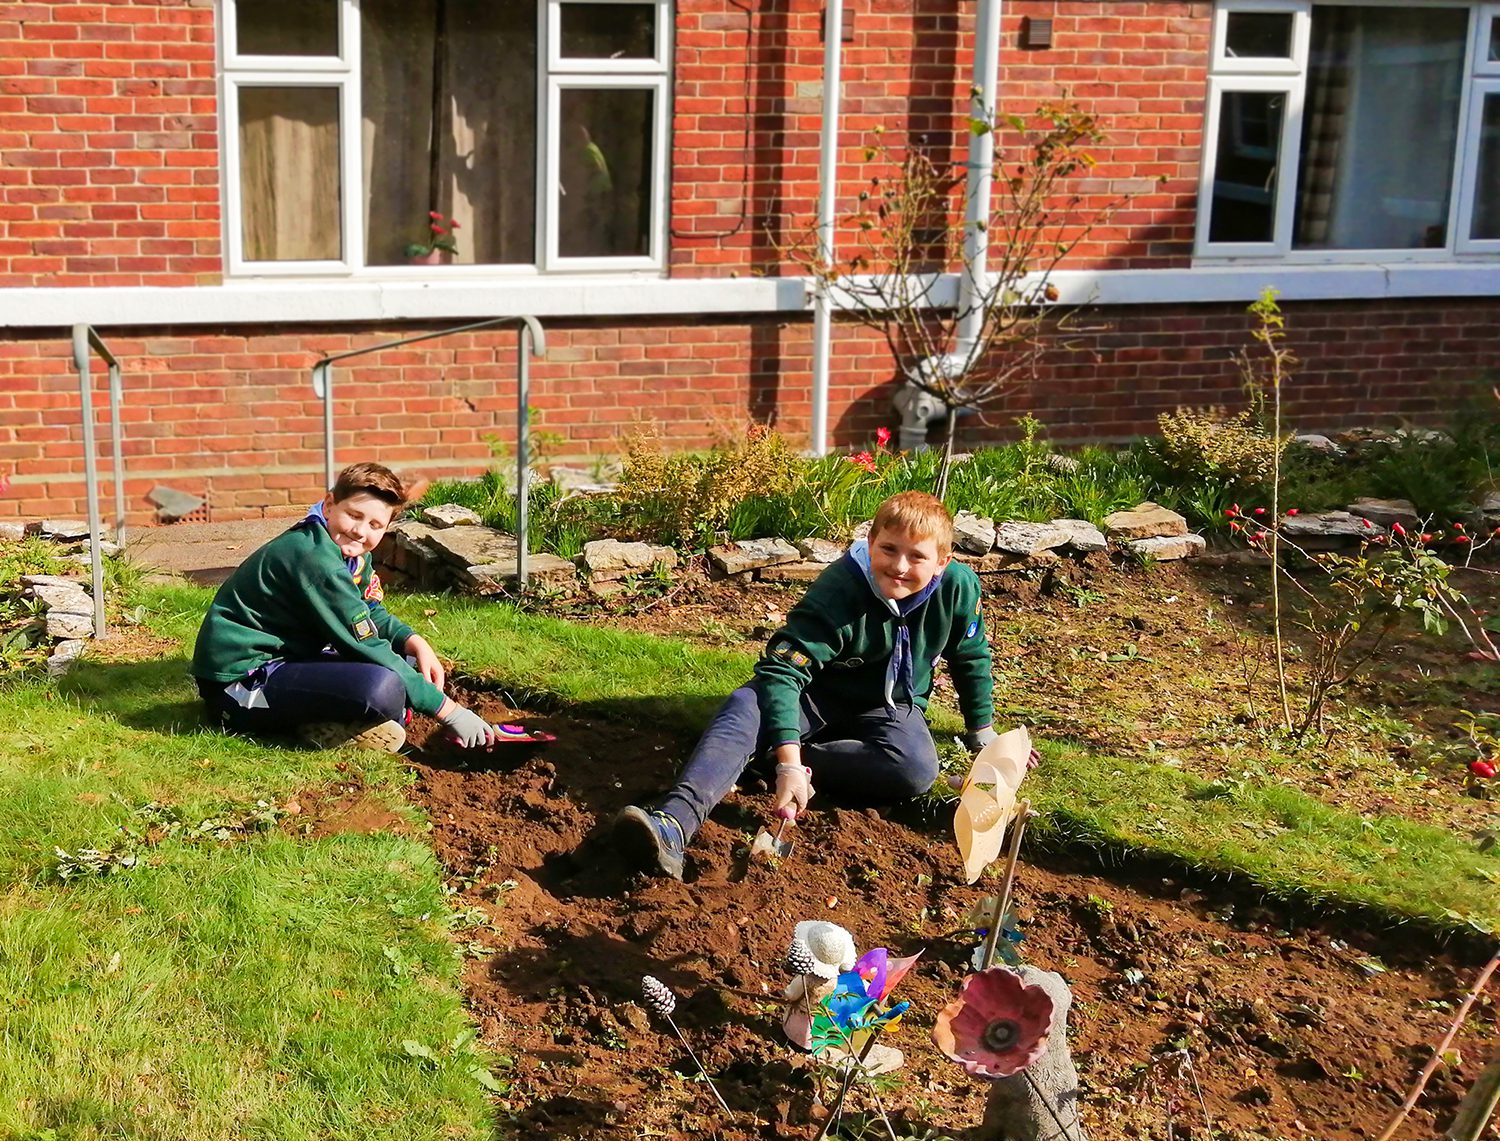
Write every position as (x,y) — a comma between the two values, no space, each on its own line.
(467,728)
(977,739)
(793,788)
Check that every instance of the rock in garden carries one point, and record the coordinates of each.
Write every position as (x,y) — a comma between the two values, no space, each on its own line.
(606,560)
(62,624)
(1166,548)
(804,571)
(66,529)
(1028,538)
(973,533)
(1387,512)
(820,550)
(1313,442)
(992,563)
(542,569)
(1490,509)
(66,596)
(575,481)
(9,530)
(470,546)
(64,654)
(862,531)
(449,515)
(1066,465)
(1326,530)
(1083,536)
(737,558)
(1145,521)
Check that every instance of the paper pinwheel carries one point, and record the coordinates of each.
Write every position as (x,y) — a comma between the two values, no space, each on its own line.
(987,801)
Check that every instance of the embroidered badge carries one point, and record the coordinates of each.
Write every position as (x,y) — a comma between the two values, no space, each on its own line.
(374,592)
(364,628)
(788,652)
(973,629)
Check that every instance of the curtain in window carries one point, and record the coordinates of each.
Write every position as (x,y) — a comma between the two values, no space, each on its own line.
(1380,127)
(449,104)
(289,173)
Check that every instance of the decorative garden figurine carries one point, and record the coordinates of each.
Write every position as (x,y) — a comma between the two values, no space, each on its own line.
(1010,1025)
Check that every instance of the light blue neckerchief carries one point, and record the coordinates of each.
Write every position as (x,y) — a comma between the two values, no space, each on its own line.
(900,670)
(316,512)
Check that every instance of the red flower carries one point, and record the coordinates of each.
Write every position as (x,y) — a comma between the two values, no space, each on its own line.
(882,437)
(436,229)
(997,1026)
(1291,511)
(434,215)
(864,460)
(1397,529)
(1458,526)
(1234,527)
(1426,536)
(1461,539)
(1485,770)
(1260,510)
(452,223)
(1233,511)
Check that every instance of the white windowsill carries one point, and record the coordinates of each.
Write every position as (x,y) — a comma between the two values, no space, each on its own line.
(330,302)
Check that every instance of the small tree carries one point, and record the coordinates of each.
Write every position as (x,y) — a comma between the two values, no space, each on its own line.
(966,308)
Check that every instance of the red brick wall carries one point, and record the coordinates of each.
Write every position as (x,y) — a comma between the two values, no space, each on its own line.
(108,144)
(229,414)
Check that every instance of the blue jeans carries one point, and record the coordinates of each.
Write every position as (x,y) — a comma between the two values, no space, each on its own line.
(289,695)
(861,759)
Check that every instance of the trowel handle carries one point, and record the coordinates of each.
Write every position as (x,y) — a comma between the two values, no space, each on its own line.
(787,812)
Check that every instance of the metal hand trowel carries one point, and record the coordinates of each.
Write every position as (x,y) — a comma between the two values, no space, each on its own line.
(767,843)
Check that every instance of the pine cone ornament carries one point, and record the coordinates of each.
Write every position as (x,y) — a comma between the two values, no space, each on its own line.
(659,997)
(799,959)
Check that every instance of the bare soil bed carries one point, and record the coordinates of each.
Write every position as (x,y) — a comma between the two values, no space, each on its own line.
(1295,1027)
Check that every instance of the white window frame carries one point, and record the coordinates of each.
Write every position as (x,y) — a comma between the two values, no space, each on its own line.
(1231,74)
(1483,88)
(343,72)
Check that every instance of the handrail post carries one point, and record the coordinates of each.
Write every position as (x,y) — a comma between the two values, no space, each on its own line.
(323,384)
(117,449)
(90,469)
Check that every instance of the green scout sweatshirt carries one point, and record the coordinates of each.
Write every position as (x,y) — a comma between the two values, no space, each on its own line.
(839,639)
(293,597)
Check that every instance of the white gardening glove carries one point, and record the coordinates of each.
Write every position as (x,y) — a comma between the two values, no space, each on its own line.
(793,789)
(467,728)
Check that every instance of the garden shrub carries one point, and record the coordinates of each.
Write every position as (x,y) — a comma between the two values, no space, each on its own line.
(1209,444)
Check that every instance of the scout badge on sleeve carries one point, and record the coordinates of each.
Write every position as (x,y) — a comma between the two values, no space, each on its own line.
(987,801)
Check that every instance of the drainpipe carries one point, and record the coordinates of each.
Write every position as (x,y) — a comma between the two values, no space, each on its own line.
(828,180)
(918,409)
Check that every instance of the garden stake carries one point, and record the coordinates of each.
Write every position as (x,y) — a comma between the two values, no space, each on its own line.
(1023,812)
(659,998)
(1478,1107)
(838,1106)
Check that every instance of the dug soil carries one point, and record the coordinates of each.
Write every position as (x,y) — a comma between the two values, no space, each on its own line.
(1290,1027)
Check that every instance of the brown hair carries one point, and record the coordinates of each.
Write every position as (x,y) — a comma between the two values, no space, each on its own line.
(377,480)
(920,515)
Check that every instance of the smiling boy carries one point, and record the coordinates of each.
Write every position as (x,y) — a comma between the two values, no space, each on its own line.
(838,696)
(298,640)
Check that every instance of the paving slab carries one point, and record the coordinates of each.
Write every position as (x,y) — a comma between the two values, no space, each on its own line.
(207,553)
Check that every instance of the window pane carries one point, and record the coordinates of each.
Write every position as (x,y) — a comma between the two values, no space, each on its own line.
(1487,185)
(1249,143)
(604,157)
(289,173)
(447,130)
(287,27)
(1494,52)
(1258,35)
(608,31)
(1379,127)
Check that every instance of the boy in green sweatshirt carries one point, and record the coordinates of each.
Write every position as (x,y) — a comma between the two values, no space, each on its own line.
(298,640)
(839,695)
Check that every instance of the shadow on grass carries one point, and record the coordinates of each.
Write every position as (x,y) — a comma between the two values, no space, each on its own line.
(156,696)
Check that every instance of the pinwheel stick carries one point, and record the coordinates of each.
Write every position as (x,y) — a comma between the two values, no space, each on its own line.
(838,1106)
(1002,904)
(712,1088)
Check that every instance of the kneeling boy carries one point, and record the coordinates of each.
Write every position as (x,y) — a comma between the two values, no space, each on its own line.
(838,696)
(298,641)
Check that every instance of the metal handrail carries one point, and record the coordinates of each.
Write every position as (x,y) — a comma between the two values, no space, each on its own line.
(531,337)
(84,339)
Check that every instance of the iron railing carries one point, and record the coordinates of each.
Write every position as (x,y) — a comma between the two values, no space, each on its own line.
(85,339)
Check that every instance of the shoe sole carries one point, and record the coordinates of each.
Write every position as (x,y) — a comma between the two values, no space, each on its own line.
(635,839)
(386,737)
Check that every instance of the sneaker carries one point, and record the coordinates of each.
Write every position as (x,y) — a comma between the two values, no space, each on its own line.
(386,737)
(651,841)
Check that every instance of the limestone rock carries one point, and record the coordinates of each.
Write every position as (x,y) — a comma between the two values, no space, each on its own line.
(67,597)
(449,515)
(1313,442)
(1083,536)
(973,533)
(66,529)
(1327,530)
(575,481)
(542,569)
(1144,521)
(820,550)
(862,531)
(64,654)
(1065,465)
(1489,508)
(992,563)
(470,546)
(10,530)
(804,571)
(1028,538)
(30,581)
(1387,512)
(737,558)
(607,560)
(1167,548)
(64,625)
(545,569)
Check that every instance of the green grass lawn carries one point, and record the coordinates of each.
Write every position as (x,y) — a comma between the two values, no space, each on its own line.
(244,981)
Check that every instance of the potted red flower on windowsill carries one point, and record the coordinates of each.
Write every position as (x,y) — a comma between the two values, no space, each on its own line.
(440,246)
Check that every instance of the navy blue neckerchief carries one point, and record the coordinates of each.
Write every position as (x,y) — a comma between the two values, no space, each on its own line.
(900,671)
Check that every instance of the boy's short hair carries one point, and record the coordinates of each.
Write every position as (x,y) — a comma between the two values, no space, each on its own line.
(372,479)
(920,515)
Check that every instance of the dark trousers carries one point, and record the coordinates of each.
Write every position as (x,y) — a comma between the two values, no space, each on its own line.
(861,759)
(294,694)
